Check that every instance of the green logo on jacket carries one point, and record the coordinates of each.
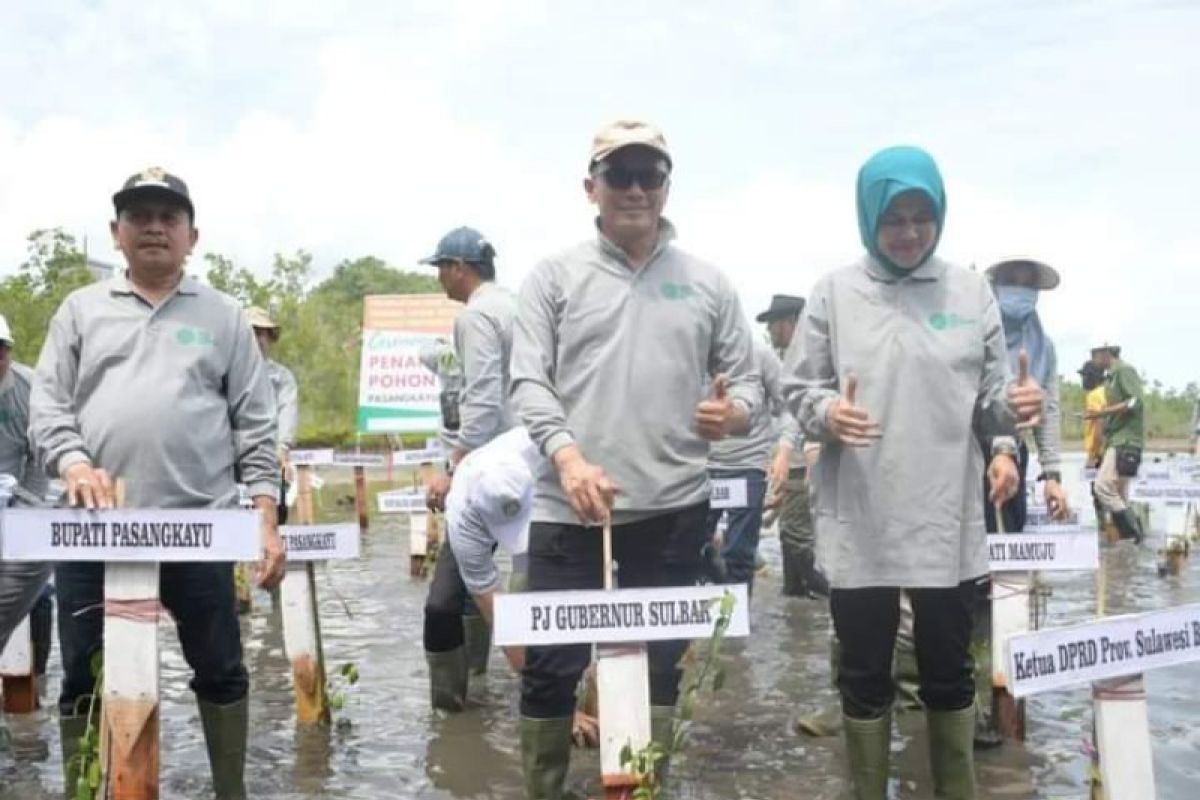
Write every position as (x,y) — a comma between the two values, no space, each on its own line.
(676,291)
(943,321)
(194,337)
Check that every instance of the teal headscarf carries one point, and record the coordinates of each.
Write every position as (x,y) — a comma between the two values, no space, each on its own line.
(887,174)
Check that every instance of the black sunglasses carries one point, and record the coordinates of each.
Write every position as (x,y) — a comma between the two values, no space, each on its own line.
(622,178)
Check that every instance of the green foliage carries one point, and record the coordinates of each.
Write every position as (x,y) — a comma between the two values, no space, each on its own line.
(53,268)
(87,751)
(339,687)
(1168,410)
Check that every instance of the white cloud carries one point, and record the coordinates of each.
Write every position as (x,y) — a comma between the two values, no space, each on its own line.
(352,128)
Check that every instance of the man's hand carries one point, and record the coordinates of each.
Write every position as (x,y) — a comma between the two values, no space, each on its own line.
(515,656)
(1026,396)
(1004,479)
(849,423)
(274,558)
(436,491)
(89,487)
(777,476)
(1056,500)
(718,416)
(587,487)
(585,730)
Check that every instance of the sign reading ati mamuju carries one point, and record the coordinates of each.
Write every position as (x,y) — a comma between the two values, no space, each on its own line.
(1106,648)
(622,615)
(1044,549)
(65,534)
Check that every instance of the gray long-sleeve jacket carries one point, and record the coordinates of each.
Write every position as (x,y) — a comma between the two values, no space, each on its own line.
(172,399)
(287,401)
(929,354)
(1048,435)
(483,335)
(615,360)
(772,424)
(17,455)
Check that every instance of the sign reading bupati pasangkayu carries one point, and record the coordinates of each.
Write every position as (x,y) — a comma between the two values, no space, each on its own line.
(65,534)
(320,542)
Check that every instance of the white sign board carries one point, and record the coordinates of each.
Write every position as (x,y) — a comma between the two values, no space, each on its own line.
(728,493)
(352,459)
(412,458)
(1039,517)
(401,502)
(1065,549)
(310,458)
(320,542)
(1106,648)
(621,615)
(1157,492)
(68,534)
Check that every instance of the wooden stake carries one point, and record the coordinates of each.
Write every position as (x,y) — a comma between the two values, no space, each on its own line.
(360,497)
(301,623)
(1010,615)
(130,721)
(623,687)
(17,671)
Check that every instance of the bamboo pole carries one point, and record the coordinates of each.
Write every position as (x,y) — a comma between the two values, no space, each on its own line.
(360,497)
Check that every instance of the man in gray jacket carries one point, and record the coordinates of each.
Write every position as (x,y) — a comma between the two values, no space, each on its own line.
(155,378)
(614,344)
(457,638)
(20,581)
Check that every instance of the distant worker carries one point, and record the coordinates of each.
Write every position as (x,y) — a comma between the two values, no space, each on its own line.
(287,396)
(1092,379)
(1124,438)
(789,471)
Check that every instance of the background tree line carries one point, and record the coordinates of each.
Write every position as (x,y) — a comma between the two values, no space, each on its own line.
(322,329)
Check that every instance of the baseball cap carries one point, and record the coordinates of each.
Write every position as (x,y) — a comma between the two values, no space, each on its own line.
(5,331)
(154,182)
(503,497)
(625,133)
(1047,276)
(463,244)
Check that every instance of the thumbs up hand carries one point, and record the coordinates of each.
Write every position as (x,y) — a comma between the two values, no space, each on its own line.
(717,416)
(1026,396)
(850,423)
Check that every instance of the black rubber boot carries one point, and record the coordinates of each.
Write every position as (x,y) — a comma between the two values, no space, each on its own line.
(814,580)
(794,584)
(1128,525)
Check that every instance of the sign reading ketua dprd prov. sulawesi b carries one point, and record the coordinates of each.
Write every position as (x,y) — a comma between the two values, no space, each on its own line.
(621,615)
(67,534)
(396,393)
(1105,648)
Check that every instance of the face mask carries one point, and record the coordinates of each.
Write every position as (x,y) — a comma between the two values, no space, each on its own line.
(1017,302)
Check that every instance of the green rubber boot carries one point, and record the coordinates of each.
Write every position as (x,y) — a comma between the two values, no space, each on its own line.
(545,757)
(951,753)
(225,729)
(868,747)
(477,635)
(448,679)
(71,730)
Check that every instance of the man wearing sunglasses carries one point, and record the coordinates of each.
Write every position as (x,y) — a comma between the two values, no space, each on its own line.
(154,378)
(613,349)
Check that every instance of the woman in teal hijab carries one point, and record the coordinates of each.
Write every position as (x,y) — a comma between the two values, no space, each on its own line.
(898,366)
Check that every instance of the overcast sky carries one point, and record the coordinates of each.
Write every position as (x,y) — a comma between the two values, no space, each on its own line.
(1065,130)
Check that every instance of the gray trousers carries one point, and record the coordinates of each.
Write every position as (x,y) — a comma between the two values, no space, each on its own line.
(795,518)
(20,584)
(1112,490)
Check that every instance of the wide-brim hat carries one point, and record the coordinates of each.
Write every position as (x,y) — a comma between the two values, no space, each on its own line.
(1047,277)
(259,318)
(783,306)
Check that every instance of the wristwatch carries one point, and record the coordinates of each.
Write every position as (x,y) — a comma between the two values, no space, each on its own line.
(1004,446)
